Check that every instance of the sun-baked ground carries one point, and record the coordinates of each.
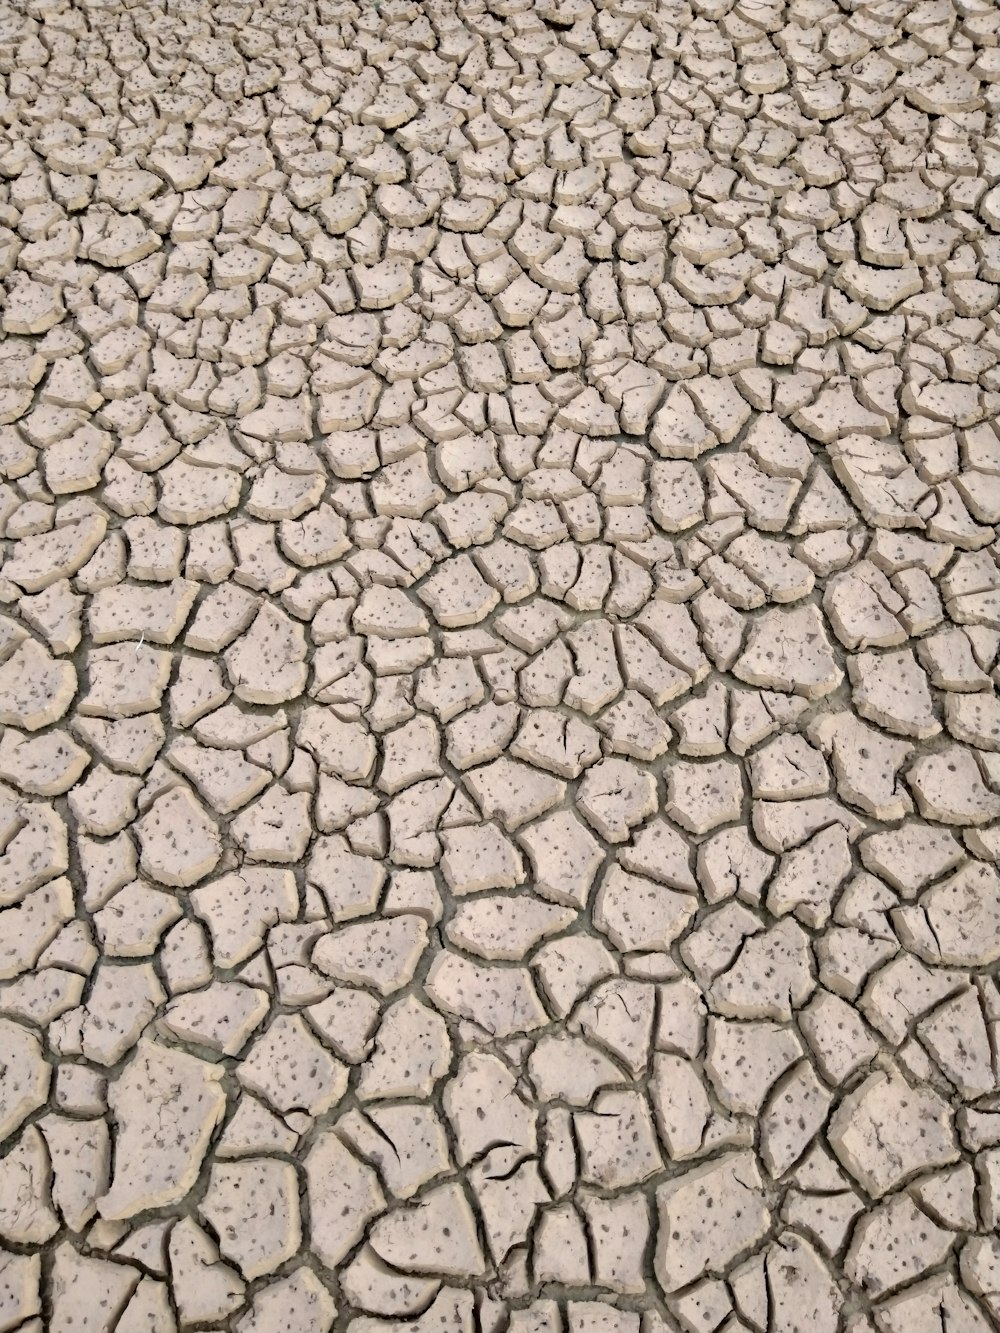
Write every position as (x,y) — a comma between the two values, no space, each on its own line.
(500,757)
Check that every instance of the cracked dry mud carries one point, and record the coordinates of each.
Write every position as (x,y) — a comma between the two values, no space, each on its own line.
(499,714)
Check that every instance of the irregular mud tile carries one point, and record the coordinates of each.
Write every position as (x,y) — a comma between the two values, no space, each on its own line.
(80,1155)
(900,989)
(129,745)
(680,1020)
(457,594)
(891,690)
(780,825)
(671,628)
(344,1195)
(974,719)
(957,1036)
(100,1287)
(27,928)
(436,1235)
(27,1216)
(253,1130)
(351,885)
(615,796)
(560,745)
(226,781)
(659,852)
(703,796)
(290,1069)
(564,856)
(121,1001)
(501,1000)
(839,1040)
(570,1069)
(787,768)
(793,1116)
(745,1059)
(508,1200)
(947,658)
(266,665)
(863,608)
(936,1297)
(911,856)
(407,1143)
(449,687)
(414,891)
(205,1288)
(618,1015)
(414,816)
(130,612)
(978,1266)
(41,559)
(480,735)
(949,788)
(636,913)
(124,680)
(569,967)
(801,1285)
(381,955)
(694,1239)
(104,802)
(275,827)
(222,615)
(299,1297)
(770,977)
(370,1284)
(885,1131)
(35,689)
(955,922)
(790,651)
(809,878)
(410,753)
(632,727)
(220,1018)
(712,946)
(412,1051)
(484,1108)
(253,1208)
(892,1244)
(701,723)
(42,996)
(681,1106)
(199,687)
(36,851)
(46,765)
(20,1295)
(239,908)
(148,1309)
(645,671)
(729,863)
(479,857)
(618,1143)
(513,792)
(180,844)
(505,929)
(865,763)
(155,1167)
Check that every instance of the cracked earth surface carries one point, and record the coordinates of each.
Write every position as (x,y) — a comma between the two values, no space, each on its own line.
(499,726)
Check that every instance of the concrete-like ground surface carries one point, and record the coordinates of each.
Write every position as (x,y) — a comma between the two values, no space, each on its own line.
(499,719)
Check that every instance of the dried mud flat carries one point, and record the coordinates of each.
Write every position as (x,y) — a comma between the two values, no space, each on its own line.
(499,623)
